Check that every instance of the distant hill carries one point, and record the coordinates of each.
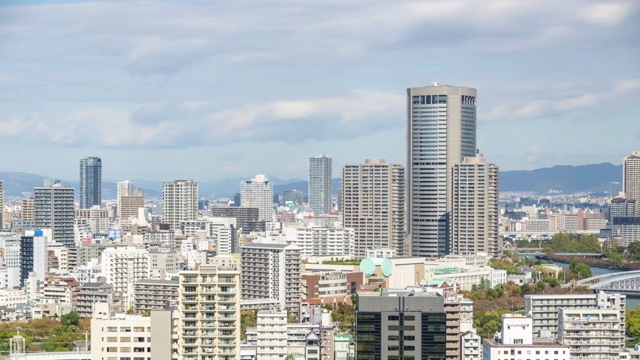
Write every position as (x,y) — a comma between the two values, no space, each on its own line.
(564,178)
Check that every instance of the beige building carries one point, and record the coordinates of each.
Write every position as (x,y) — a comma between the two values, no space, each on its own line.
(258,193)
(125,188)
(475,208)
(129,205)
(373,205)
(29,209)
(96,218)
(122,336)
(631,176)
(209,307)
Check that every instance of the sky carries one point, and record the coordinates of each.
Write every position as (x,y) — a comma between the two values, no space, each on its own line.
(211,90)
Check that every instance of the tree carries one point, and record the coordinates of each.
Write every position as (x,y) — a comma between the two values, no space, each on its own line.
(581,269)
(71,318)
(540,286)
(633,326)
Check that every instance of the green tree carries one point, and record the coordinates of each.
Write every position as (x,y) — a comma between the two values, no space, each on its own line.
(581,269)
(71,318)
(634,250)
(633,326)
(540,286)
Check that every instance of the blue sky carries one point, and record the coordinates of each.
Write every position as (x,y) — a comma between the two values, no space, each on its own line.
(219,89)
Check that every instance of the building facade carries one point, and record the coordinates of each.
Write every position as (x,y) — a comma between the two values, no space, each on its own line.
(152,294)
(179,202)
(122,267)
(441,131)
(258,193)
(125,188)
(271,335)
(373,195)
(55,209)
(209,307)
(475,208)
(631,176)
(90,182)
(320,184)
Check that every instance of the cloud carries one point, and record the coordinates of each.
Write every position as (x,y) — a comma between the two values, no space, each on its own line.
(193,124)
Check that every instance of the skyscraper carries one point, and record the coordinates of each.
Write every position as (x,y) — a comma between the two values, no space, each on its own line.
(179,202)
(258,193)
(441,131)
(320,184)
(125,188)
(55,209)
(1,204)
(631,176)
(474,208)
(90,182)
(374,205)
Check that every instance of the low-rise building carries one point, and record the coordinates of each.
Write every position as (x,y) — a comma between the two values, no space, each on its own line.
(97,292)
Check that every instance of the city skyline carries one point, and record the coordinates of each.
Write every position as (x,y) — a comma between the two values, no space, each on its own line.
(174,93)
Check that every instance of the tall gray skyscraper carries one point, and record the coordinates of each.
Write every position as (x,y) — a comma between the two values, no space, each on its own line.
(631,176)
(90,182)
(320,184)
(258,193)
(179,202)
(55,209)
(441,131)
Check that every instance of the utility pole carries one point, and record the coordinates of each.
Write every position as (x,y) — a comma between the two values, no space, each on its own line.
(86,342)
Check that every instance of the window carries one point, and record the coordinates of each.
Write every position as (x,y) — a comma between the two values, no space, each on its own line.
(394,318)
(125,329)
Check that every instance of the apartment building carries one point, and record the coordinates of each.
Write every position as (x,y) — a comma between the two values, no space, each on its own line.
(271,335)
(179,202)
(271,271)
(209,308)
(314,240)
(152,294)
(122,267)
(121,336)
(543,309)
(97,292)
(591,334)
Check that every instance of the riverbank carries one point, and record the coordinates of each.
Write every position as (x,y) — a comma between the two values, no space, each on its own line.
(597,262)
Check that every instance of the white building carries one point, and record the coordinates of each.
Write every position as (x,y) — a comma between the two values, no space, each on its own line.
(97,218)
(271,271)
(121,336)
(125,188)
(122,267)
(89,273)
(258,193)
(13,297)
(272,335)
(591,334)
(317,241)
(466,277)
(9,277)
(517,343)
(470,346)
(179,202)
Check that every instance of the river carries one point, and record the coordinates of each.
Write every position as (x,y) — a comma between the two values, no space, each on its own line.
(632,300)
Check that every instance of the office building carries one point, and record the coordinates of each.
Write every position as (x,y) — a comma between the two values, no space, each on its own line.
(179,202)
(97,292)
(258,193)
(591,334)
(402,325)
(28,210)
(271,271)
(128,206)
(90,182)
(55,210)
(271,335)
(124,336)
(122,267)
(152,294)
(374,205)
(33,255)
(475,208)
(96,218)
(314,240)
(320,184)
(209,307)
(246,218)
(441,131)
(631,176)
(516,342)
(125,188)
(543,309)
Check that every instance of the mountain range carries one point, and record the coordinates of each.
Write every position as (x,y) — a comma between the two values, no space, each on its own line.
(566,179)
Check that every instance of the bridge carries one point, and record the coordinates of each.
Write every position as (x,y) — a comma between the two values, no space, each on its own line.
(625,281)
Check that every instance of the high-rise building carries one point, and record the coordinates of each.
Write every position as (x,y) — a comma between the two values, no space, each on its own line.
(271,271)
(320,184)
(28,210)
(209,307)
(402,325)
(631,176)
(271,335)
(292,196)
(441,131)
(129,206)
(125,188)
(258,193)
(475,208)
(55,209)
(122,267)
(90,182)
(33,255)
(179,202)
(374,205)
